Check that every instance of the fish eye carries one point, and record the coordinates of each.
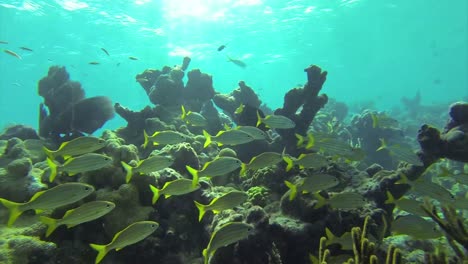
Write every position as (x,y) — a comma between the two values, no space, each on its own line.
(106,159)
(107,205)
(153,226)
(101,141)
(87,188)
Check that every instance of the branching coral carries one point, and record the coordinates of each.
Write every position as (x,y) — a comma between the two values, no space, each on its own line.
(452,224)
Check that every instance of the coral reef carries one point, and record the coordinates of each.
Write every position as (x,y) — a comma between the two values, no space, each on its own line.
(68,111)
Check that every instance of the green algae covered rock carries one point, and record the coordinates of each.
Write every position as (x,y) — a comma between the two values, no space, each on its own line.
(258,195)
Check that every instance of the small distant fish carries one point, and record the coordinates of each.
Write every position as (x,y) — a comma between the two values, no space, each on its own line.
(163,138)
(75,147)
(383,121)
(224,202)
(105,51)
(3,42)
(306,161)
(237,62)
(193,118)
(275,121)
(227,234)
(141,80)
(230,137)
(175,187)
(239,109)
(345,200)
(401,152)
(26,48)
(16,84)
(80,164)
(220,48)
(428,188)
(94,63)
(12,53)
(133,58)
(85,213)
(151,164)
(130,235)
(260,161)
(52,198)
(311,184)
(217,167)
(416,227)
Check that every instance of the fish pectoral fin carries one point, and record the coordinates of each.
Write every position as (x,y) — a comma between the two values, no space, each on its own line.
(216,211)
(118,249)
(167,196)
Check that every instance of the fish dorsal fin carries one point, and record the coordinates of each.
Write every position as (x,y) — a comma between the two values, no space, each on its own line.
(68,213)
(301,156)
(206,165)
(63,145)
(220,133)
(36,195)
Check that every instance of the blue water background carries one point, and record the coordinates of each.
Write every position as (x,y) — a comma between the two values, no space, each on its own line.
(373,50)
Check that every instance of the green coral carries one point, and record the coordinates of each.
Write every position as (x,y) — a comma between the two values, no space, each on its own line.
(258,195)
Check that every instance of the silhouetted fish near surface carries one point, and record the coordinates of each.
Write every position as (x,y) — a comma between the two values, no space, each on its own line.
(105,51)
(133,58)
(3,42)
(26,48)
(220,48)
(94,63)
(12,53)
(237,62)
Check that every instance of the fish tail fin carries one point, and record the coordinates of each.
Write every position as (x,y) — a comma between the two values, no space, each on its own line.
(184,113)
(243,169)
(300,140)
(207,137)
(383,144)
(321,201)
(288,161)
(53,169)
(156,194)
(13,207)
(310,141)
(51,224)
(201,210)
(403,179)
(194,173)
(102,252)
(48,152)
(145,144)
(375,120)
(390,199)
(259,119)
(329,234)
(129,170)
(293,190)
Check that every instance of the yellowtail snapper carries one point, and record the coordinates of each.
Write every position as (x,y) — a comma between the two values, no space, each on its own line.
(230,137)
(75,147)
(217,167)
(151,164)
(80,164)
(224,202)
(163,138)
(85,213)
(275,121)
(311,184)
(175,187)
(52,198)
(262,160)
(130,235)
(193,118)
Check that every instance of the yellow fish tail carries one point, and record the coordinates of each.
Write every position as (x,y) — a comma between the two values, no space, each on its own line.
(13,207)
(320,201)
(207,137)
(48,152)
(383,144)
(375,120)
(292,189)
(311,141)
(259,119)
(184,114)
(156,194)
(288,161)
(102,252)
(390,199)
(243,169)
(51,224)
(194,173)
(129,170)
(300,140)
(201,210)
(53,169)
(145,144)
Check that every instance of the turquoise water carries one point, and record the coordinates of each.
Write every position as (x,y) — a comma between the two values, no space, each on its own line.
(374,50)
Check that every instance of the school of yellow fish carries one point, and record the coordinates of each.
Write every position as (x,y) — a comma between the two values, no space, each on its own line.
(79,155)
